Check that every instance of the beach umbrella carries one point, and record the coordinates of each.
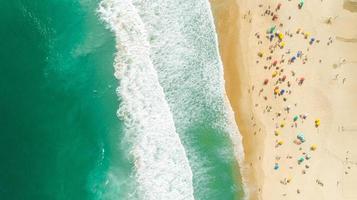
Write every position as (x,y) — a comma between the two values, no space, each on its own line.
(276,91)
(274,74)
(317,123)
(295,118)
(313,147)
(306,35)
(271,29)
(280,142)
(300,160)
(301,4)
(266,81)
(276,166)
(281,36)
(293,59)
(282,124)
(301,137)
(282,44)
(260,54)
(282,92)
(276,132)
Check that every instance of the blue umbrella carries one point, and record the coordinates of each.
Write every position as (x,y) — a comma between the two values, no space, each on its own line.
(276,166)
(301,137)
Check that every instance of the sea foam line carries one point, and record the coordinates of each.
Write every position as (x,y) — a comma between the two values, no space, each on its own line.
(232,127)
(186,52)
(162,168)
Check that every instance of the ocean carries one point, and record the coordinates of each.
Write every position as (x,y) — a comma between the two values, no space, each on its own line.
(114,99)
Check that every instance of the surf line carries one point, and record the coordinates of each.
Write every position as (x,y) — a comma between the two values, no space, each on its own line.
(162,169)
(232,126)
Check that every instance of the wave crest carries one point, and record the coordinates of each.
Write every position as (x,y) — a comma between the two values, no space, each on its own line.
(162,169)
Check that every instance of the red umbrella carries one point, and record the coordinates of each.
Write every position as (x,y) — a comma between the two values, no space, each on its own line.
(266,81)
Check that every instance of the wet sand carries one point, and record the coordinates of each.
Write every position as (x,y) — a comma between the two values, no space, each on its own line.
(327,93)
(227,12)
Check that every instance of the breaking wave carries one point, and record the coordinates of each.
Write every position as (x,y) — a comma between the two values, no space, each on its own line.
(162,170)
(172,91)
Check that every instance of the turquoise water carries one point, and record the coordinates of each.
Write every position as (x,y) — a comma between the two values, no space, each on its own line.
(58,102)
(60,137)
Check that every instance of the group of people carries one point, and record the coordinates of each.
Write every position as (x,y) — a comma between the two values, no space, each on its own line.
(278,60)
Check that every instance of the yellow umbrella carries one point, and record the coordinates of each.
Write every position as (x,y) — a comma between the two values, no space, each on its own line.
(282,44)
(282,124)
(274,74)
(276,91)
(313,147)
(317,122)
(281,36)
(276,132)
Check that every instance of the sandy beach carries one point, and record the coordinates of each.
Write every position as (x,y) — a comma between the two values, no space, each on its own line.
(289,72)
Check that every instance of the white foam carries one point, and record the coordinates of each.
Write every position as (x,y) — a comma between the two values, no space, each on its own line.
(185,53)
(232,127)
(162,169)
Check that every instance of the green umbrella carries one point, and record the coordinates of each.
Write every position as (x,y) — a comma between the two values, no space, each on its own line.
(296,118)
(272,29)
(302,2)
(301,160)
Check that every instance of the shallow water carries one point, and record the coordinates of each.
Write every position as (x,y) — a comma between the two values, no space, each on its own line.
(180,40)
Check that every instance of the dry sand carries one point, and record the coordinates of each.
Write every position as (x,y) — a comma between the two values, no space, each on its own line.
(329,93)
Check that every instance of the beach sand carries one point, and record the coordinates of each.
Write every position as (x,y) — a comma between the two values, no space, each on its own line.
(327,93)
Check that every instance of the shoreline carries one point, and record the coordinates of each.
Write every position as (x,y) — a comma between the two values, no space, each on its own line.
(230,48)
